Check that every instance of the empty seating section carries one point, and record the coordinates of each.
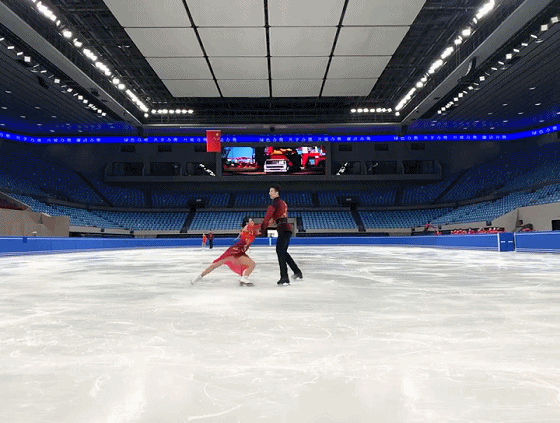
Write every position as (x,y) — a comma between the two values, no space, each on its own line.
(78,217)
(400,218)
(252,199)
(331,220)
(297,199)
(121,197)
(365,198)
(220,221)
(509,172)
(181,199)
(29,174)
(425,194)
(145,221)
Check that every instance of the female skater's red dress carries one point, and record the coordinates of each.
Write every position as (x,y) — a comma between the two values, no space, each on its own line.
(238,249)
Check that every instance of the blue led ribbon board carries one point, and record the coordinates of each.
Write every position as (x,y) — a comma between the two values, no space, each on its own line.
(299,138)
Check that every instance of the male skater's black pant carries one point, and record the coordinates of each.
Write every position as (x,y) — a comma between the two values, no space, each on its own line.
(284,257)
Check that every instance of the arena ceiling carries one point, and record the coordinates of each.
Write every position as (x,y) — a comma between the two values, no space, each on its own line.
(249,65)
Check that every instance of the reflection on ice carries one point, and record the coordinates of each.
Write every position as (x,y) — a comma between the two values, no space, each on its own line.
(371,334)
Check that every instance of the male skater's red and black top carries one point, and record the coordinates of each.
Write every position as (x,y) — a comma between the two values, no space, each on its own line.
(278,211)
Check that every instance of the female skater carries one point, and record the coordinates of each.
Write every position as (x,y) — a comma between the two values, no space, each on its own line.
(235,256)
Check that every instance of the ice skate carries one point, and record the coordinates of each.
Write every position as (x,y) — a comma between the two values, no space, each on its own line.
(196,279)
(243,281)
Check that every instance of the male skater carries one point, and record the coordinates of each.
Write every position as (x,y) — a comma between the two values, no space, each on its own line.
(279,212)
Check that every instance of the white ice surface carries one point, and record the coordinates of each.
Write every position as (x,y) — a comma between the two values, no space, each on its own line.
(372,334)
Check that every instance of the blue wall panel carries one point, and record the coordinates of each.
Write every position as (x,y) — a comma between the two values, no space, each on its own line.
(544,242)
(26,245)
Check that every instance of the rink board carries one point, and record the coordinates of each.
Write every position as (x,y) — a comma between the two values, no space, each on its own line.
(539,242)
(33,245)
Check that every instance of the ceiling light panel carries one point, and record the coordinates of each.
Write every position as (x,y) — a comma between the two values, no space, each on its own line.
(296,87)
(382,12)
(298,67)
(348,87)
(180,67)
(304,13)
(244,88)
(192,88)
(233,41)
(165,42)
(143,13)
(301,41)
(213,13)
(240,67)
(357,67)
(369,41)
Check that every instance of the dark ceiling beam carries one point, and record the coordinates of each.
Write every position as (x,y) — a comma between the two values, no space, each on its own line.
(20,28)
(518,19)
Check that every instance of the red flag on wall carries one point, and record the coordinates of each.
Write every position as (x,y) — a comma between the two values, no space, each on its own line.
(213,141)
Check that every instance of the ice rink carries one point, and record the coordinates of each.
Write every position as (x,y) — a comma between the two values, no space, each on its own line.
(372,334)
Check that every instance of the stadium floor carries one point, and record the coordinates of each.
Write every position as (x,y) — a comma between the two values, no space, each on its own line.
(372,334)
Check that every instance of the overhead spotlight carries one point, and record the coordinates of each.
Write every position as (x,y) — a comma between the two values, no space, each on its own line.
(455,99)
(534,36)
(461,95)
(509,56)
(397,114)
(516,50)
(466,32)
(470,87)
(121,87)
(447,52)
(67,34)
(154,111)
(69,90)
(80,97)
(366,110)
(524,44)
(458,41)
(184,111)
(146,115)
(439,112)
(544,28)
(389,110)
(360,110)
(419,84)
(501,63)
(78,43)
(554,20)
(56,81)
(482,78)
(27,59)
(116,81)
(191,111)
(103,114)
(353,111)
(11,47)
(164,111)
(494,68)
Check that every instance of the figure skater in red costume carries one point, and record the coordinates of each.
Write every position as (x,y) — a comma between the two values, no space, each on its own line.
(235,257)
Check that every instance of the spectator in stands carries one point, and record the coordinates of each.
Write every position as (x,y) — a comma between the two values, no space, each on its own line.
(235,257)
(278,212)
(203,240)
(210,239)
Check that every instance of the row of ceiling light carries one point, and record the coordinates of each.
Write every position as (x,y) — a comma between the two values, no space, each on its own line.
(38,69)
(499,65)
(446,53)
(90,54)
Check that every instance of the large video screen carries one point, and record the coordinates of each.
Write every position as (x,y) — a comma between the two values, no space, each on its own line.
(273,160)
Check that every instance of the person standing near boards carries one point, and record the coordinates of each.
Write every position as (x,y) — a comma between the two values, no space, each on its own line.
(210,239)
(278,212)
